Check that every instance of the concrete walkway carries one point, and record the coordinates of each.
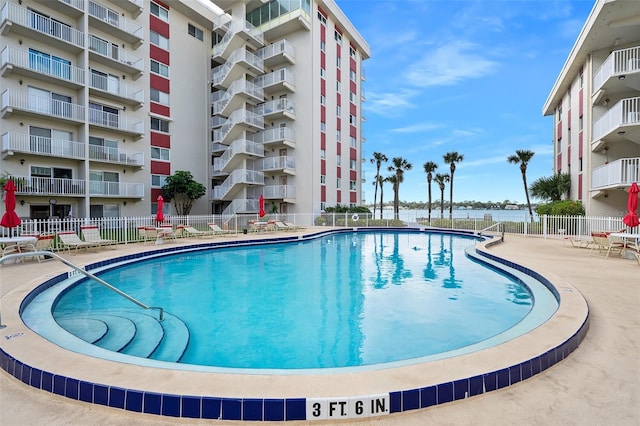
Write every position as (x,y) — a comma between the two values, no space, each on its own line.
(599,384)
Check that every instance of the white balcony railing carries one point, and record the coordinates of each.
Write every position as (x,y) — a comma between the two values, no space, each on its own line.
(624,112)
(49,186)
(39,145)
(40,23)
(278,134)
(277,77)
(41,105)
(115,189)
(237,147)
(44,65)
(115,53)
(104,84)
(115,121)
(238,117)
(76,4)
(279,191)
(221,99)
(116,155)
(277,163)
(239,176)
(620,172)
(282,47)
(276,106)
(233,27)
(618,63)
(114,19)
(219,73)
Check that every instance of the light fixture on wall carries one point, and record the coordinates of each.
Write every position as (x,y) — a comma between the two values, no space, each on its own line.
(21,161)
(622,77)
(20,82)
(124,203)
(124,108)
(22,202)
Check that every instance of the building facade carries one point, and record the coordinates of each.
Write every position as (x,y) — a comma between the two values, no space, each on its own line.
(102,100)
(595,103)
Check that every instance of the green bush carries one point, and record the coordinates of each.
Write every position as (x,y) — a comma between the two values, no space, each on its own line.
(561,208)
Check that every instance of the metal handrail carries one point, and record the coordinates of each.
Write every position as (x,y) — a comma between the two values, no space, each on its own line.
(85,273)
(499,224)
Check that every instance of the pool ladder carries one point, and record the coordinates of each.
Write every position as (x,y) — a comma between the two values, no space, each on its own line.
(83,272)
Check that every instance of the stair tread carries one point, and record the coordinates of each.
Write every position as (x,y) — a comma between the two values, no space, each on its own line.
(88,329)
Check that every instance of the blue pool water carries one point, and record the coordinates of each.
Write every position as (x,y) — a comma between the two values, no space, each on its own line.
(343,300)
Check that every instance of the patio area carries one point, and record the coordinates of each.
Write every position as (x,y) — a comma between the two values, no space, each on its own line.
(599,383)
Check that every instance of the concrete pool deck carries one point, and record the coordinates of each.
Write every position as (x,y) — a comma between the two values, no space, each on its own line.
(599,383)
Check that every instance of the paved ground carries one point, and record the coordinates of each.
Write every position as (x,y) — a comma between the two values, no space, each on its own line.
(599,384)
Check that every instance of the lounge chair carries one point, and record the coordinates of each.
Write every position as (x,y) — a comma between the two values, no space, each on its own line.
(166,231)
(193,232)
(148,234)
(219,231)
(44,243)
(69,240)
(91,234)
(579,241)
(603,245)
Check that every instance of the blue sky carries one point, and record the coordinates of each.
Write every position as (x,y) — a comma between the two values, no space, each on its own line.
(463,75)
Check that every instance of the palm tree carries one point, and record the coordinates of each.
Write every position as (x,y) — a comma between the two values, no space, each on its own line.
(378,182)
(429,168)
(400,165)
(392,180)
(452,158)
(378,158)
(523,157)
(441,179)
(551,188)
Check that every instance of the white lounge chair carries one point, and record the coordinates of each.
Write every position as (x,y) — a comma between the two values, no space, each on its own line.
(44,243)
(69,240)
(604,245)
(219,231)
(193,232)
(91,234)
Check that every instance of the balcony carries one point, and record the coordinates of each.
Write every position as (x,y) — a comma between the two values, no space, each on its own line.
(28,185)
(117,122)
(115,189)
(239,63)
(238,122)
(277,81)
(37,145)
(14,101)
(113,23)
(40,67)
(279,192)
(277,19)
(277,109)
(19,20)
(73,8)
(125,157)
(133,6)
(235,153)
(281,52)
(617,174)
(620,123)
(279,136)
(282,164)
(237,33)
(238,178)
(112,55)
(619,73)
(240,91)
(115,90)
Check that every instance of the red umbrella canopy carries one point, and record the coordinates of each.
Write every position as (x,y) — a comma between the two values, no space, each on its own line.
(261,205)
(631,219)
(159,213)
(10,219)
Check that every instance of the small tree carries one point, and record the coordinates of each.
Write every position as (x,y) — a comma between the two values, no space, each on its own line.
(522,157)
(441,179)
(182,190)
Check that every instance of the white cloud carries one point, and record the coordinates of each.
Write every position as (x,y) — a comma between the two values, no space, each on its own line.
(449,65)
(388,103)
(417,128)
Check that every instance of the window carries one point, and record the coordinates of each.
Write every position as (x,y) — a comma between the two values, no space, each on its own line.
(47,64)
(159,11)
(103,81)
(323,206)
(338,61)
(159,125)
(338,110)
(352,141)
(338,86)
(338,183)
(352,52)
(323,46)
(352,75)
(337,36)
(158,181)
(352,164)
(338,135)
(580,124)
(158,40)
(106,210)
(195,32)
(559,116)
(352,97)
(352,119)
(581,79)
(104,183)
(322,18)
(159,68)
(323,100)
(339,160)
(159,153)
(103,115)
(352,185)
(159,96)
(323,153)
(323,73)
(323,179)
(323,126)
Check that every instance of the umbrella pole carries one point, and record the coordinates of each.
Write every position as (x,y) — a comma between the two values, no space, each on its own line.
(1,324)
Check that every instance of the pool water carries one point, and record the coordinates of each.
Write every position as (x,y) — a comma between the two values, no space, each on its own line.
(344,300)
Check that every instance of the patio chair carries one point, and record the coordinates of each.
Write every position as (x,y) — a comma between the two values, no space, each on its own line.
(149,234)
(167,232)
(69,240)
(190,231)
(579,241)
(91,234)
(219,231)
(603,245)
(44,243)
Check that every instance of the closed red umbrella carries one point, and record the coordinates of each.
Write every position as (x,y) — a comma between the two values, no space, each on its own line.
(261,205)
(10,219)
(631,218)
(159,213)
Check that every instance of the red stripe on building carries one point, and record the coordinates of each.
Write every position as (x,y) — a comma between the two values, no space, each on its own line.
(160,83)
(160,168)
(338,196)
(160,109)
(353,197)
(159,54)
(323,193)
(159,26)
(323,60)
(580,186)
(162,4)
(323,114)
(338,172)
(353,175)
(559,163)
(353,109)
(323,166)
(353,154)
(352,87)
(160,139)
(323,140)
(580,145)
(154,193)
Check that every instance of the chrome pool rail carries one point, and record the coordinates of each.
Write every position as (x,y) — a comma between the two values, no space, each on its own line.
(85,273)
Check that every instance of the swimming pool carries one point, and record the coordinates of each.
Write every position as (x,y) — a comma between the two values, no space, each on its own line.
(364,393)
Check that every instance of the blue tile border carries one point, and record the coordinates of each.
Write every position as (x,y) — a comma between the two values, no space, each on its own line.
(273,409)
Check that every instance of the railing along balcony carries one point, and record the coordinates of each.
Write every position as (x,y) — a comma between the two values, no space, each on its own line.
(624,112)
(277,163)
(619,62)
(113,19)
(41,65)
(276,106)
(122,90)
(115,53)
(275,135)
(133,6)
(23,101)
(49,186)
(622,172)
(116,189)
(279,77)
(115,121)
(282,48)
(279,191)
(116,155)
(42,24)
(73,8)
(39,145)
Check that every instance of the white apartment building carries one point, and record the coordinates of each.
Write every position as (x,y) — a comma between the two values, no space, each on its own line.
(102,100)
(595,102)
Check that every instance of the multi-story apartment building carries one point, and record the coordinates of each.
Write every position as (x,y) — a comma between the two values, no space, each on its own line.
(102,100)
(595,102)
